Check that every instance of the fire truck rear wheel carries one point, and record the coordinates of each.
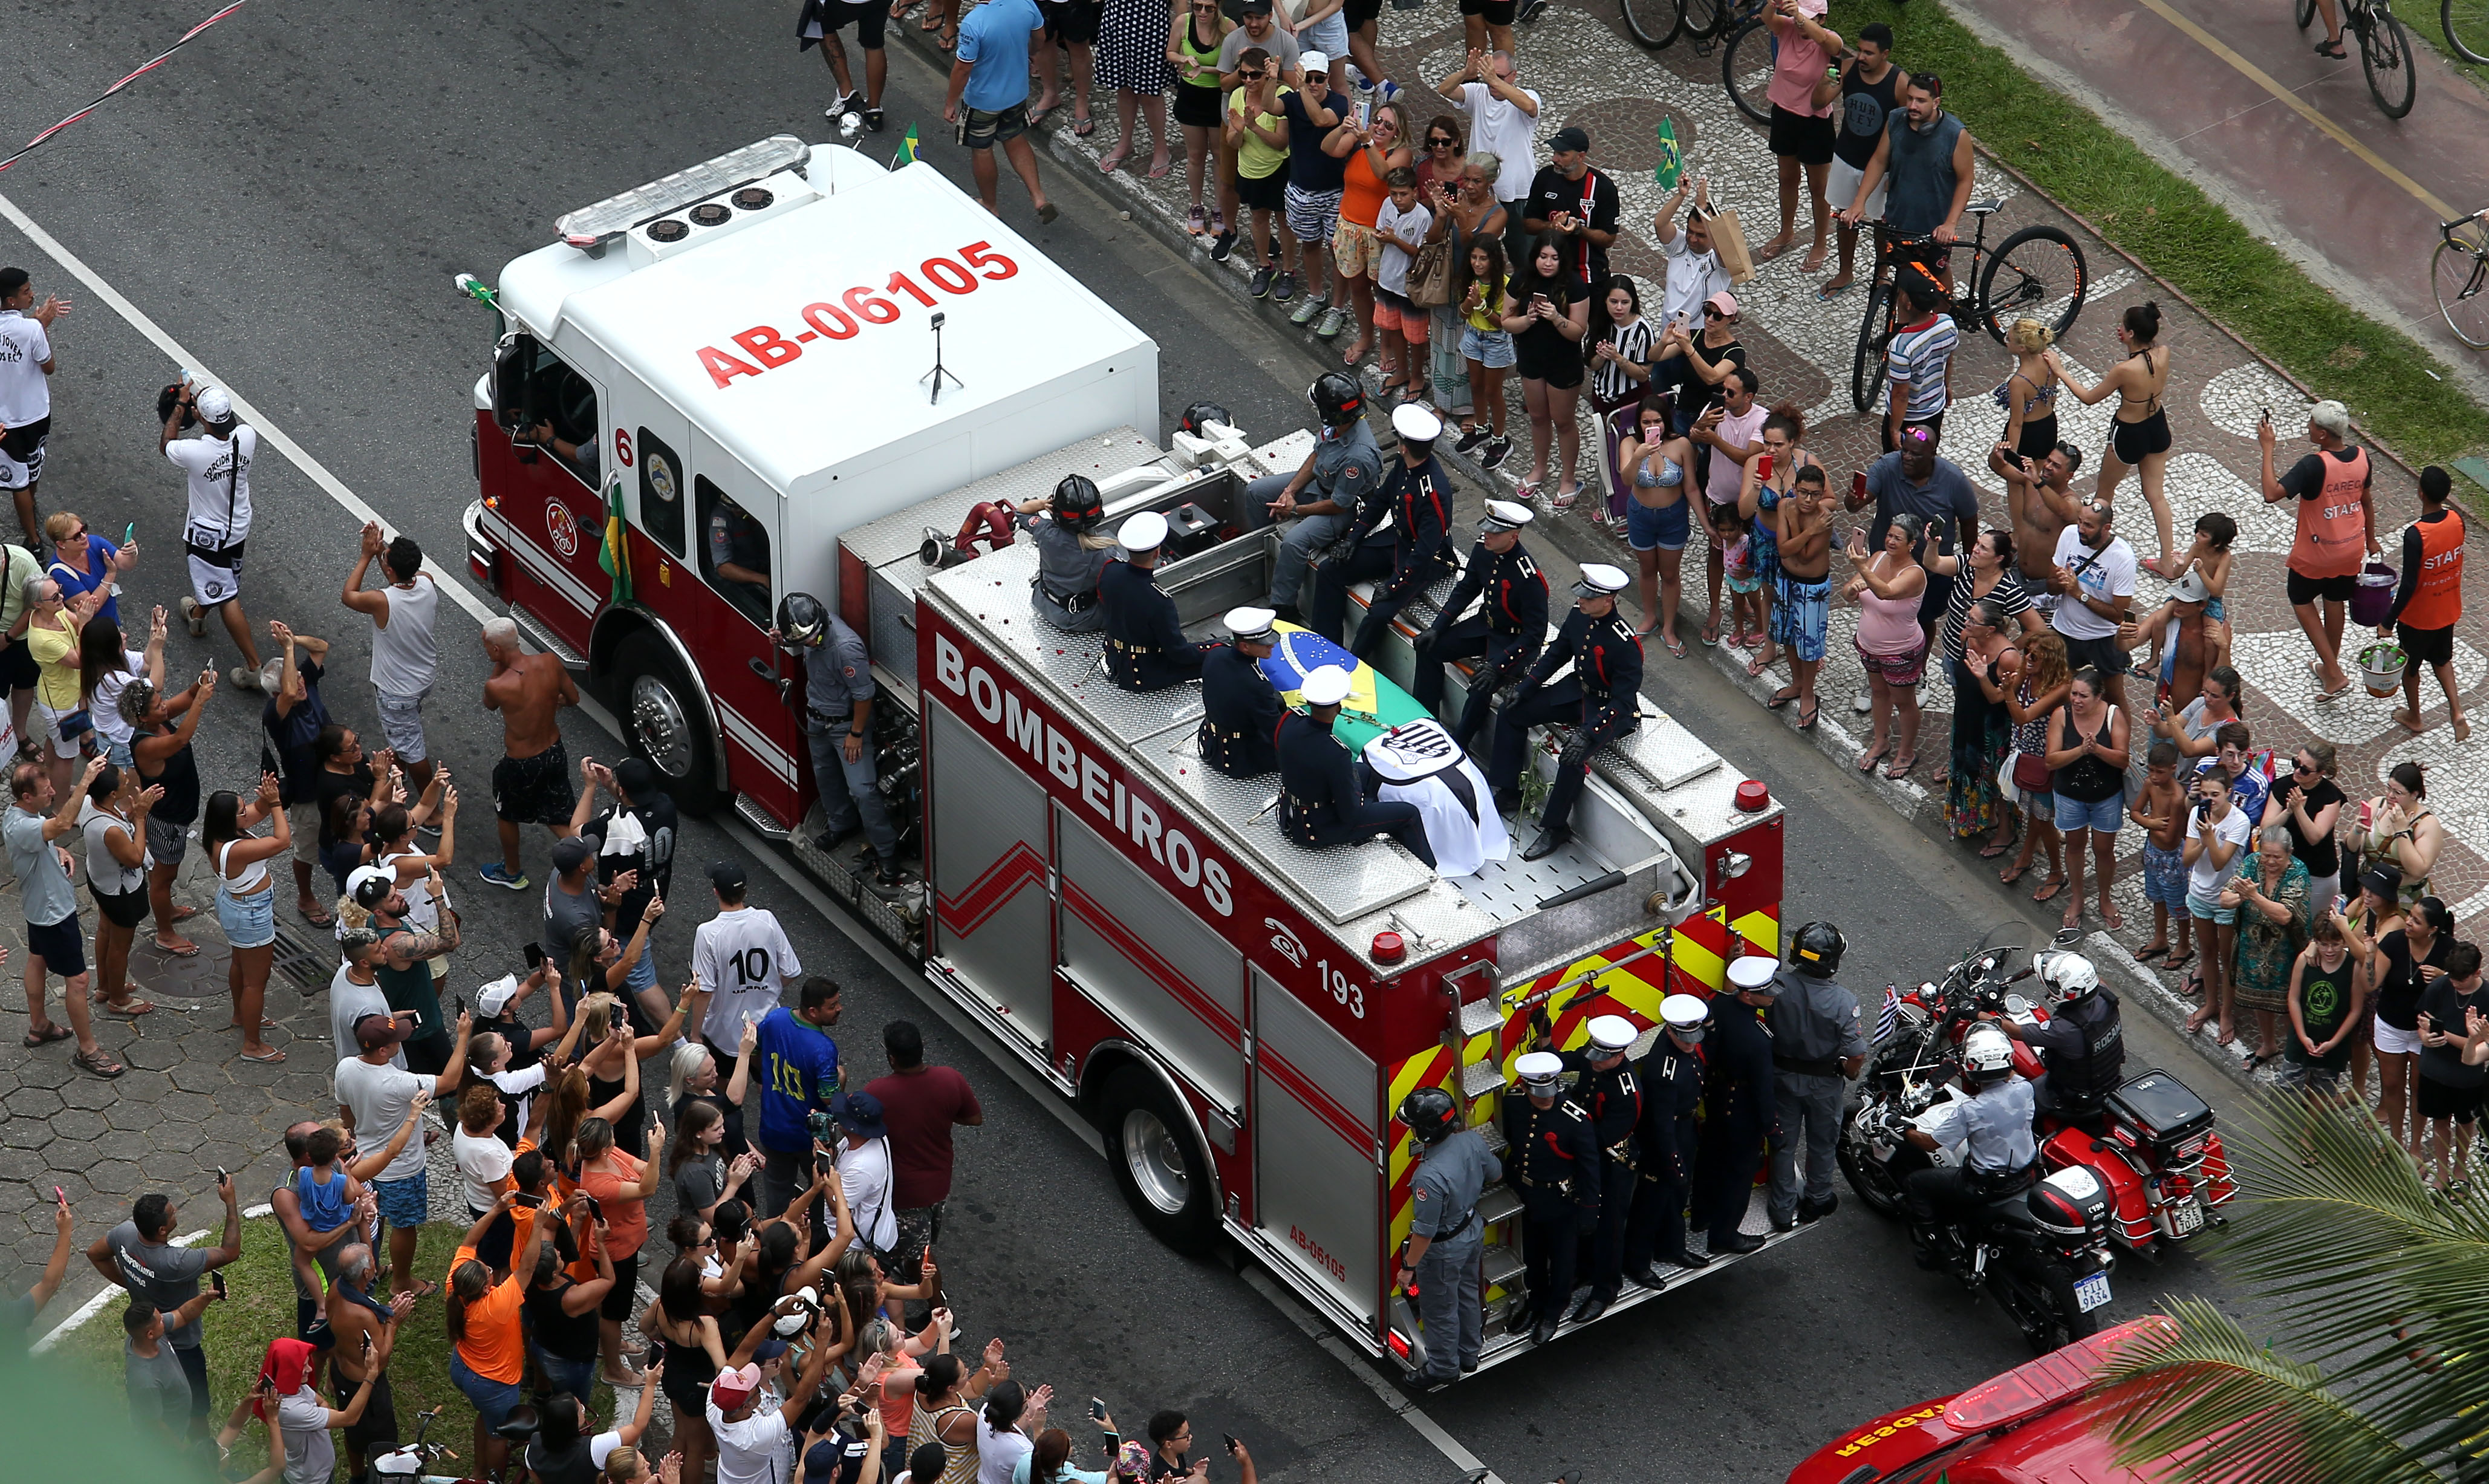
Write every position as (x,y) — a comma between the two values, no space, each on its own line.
(1161,1168)
(666,725)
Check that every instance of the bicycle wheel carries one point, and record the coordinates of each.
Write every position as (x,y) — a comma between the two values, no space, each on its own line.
(1703,20)
(2385,56)
(2306,12)
(1746,68)
(2461,279)
(2028,275)
(1655,22)
(1874,334)
(2469,33)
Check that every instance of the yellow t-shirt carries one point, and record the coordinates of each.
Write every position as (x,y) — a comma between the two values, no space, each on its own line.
(1256,159)
(55,649)
(1491,308)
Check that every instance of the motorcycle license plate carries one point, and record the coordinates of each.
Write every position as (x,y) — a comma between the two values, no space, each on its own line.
(2091,1291)
(2186,1217)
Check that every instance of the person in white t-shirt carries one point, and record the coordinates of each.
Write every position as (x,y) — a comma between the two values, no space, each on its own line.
(2094,580)
(742,961)
(217,464)
(26,367)
(864,1171)
(1503,122)
(483,1160)
(752,1445)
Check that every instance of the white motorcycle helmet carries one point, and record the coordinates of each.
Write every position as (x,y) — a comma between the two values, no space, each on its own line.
(2071,977)
(1986,1055)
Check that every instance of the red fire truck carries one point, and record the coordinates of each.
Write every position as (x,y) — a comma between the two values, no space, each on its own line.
(1238,1013)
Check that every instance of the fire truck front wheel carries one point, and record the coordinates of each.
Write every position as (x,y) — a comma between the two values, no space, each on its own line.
(667,724)
(1157,1162)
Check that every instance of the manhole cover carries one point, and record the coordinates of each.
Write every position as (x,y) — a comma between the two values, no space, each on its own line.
(310,965)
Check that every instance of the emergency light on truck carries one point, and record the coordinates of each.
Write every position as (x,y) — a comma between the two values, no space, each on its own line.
(591,227)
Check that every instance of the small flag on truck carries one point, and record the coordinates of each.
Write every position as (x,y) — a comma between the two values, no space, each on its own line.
(615,558)
(908,145)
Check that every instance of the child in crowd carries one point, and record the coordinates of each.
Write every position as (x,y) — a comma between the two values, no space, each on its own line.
(2159,807)
(1478,288)
(1745,583)
(1402,224)
(327,1194)
(2209,559)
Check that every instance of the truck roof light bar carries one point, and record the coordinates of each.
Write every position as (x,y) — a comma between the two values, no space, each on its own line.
(614,216)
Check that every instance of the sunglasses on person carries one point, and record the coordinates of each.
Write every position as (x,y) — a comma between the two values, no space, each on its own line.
(2302,766)
(1439,142)
(1246,76)
(1711,313)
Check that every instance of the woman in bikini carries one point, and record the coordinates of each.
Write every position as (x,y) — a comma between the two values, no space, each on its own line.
(2029,396)
(1653,464)
(2139,439)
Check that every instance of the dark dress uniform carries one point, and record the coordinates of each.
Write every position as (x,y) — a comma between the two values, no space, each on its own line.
(1146,649)
(1671,1130)
(1614,1100)
(1406,560)
(1739,1112)
(1555,1158)
(1320,802)
(1505,634)
(1601,698)
(1240,714)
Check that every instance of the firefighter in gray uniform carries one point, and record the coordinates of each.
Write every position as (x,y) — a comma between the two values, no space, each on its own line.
(1555,1162)
(1817,1047)
(1608,1090)
(1439,1264)
(1071,553)
(1671,1090)
(1240,707)
(838,723)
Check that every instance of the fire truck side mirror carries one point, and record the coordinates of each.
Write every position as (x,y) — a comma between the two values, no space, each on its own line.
(511,358)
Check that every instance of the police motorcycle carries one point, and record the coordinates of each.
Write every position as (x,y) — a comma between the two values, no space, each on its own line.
(2040,1248)
(2150,1141)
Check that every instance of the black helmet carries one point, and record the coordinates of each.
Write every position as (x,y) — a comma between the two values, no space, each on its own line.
(1430,1114)
(1198,416)
(1337,398)
(802,620)
(1077,502)
(1816,951)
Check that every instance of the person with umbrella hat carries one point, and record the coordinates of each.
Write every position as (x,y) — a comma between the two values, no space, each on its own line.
(1440,1264)
(1671,1082)
(1146,649)
(1417,495)
(1071,553)
(1505,634)
(838,723)
(1322,494)
(1741,1109)
(1817,1047)
(1240,707)
(1556,1164)
(1320,802)
(1601,700)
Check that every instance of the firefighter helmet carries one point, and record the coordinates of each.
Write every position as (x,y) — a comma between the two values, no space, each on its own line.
(1815,951)
(1198,416)
(802,621)
(1337,398)
(1430,1114)
(1077,503)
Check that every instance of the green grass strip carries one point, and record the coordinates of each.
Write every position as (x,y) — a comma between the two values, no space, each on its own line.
(2172,226)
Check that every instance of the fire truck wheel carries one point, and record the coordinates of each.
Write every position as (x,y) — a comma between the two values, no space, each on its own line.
(1160,1167)
(661,711)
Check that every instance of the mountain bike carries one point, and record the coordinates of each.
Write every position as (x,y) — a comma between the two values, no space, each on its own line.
(2385,48)
(2459,271)
(1746,61)
(2025,274)
(2466,29)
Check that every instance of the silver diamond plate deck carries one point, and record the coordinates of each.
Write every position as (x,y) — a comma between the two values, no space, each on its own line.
(995,590)
(894,536)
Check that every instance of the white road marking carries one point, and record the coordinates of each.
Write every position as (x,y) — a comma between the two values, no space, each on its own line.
(96,1301)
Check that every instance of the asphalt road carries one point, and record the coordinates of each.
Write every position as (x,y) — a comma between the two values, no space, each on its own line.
(289,199)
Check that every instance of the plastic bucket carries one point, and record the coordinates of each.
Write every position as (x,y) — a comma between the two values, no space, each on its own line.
(2372,601)
(2380,667)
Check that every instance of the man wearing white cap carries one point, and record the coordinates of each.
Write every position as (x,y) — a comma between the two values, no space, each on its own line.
(1417,762)
(217,463)
(1555,1164)
(1320,802)
(1240,707)
(1146,649)
(1417,495)
(1672,1127)
(1610,1091)
(1504,634)
(26,368)
(1740,1114)
(1601,701)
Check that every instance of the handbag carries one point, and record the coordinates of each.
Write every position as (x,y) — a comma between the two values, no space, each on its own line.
(2031,773)
(1430,275)
(1728,241)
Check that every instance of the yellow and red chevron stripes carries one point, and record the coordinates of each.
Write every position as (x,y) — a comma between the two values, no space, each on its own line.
(1434,1066)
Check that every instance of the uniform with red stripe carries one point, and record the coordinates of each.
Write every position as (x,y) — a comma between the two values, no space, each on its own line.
(1419,495)
(1600,699)
(1609,1093)
(1504,634)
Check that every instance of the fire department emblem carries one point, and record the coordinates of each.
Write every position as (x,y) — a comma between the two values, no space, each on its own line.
(561,527)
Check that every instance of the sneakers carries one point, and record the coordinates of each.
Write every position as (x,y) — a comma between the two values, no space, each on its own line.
(1221,245)
(497,875)
(241,677)
(1472,439)
(1334,320)
(875,120)
(1197,224)
(1314,304)
(1531,9)
(1260,286)
(845,105)
(1496,451)
(194,617)
(1284,287)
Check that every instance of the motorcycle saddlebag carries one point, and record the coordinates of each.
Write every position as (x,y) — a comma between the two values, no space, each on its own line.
(2161,1108)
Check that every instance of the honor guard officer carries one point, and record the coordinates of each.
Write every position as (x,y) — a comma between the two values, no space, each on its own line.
(1504,636)
(1323,495)
(1417,495)
(1071,553)
(2082,1041)
(1740,1111)
(1320,802)
(1817,1047)
(1555,1159)
(1146,649)
(1601,701)
(1240,707)
(1672,1091)
(1439,1264)
(838,722)
(1608,1090)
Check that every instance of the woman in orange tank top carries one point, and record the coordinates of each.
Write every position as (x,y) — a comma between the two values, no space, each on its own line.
(2429,601)
(2336,521)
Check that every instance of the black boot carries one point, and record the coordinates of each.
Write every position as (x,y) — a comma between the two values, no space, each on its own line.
(886,871)
(1549,842)
(1737,1241)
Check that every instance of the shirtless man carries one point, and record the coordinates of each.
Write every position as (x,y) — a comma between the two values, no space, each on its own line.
(354,1319)
(2039,501)
(531,783)
(1802,607)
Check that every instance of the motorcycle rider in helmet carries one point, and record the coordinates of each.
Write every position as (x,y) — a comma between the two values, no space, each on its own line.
(1999,1156)
(2082,1043)
(837,716)
(1071,551)
(1445,1236)
(1322,494)
(1817,1047)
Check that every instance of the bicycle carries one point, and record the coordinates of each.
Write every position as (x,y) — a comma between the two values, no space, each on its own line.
(2021,276)
(2385,48)
(2459,271)
(2475,19)
(409,1464)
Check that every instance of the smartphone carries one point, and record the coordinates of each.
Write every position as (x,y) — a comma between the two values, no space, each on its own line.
(462,999)
(1096,1408)
(1762,466)
(530,1202)
(656,1350)
(130,533)
(216,1281)
(595,1210)
(1230,1441)
(535,956)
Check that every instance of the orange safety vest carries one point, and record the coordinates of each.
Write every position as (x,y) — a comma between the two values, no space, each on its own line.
(2332,534)
(2437,602)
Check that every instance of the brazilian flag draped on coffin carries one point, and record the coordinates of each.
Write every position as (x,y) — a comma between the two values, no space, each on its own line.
(1374,703)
